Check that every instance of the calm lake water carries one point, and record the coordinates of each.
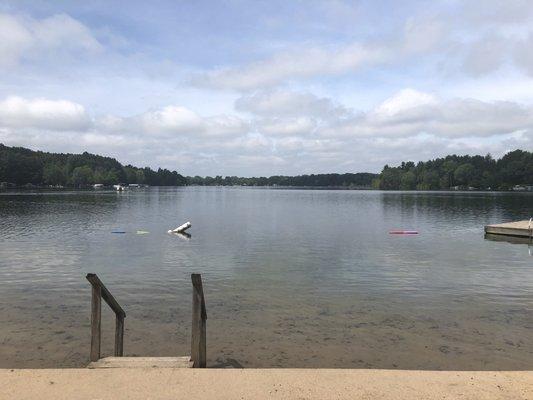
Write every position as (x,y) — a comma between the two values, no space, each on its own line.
(292,278)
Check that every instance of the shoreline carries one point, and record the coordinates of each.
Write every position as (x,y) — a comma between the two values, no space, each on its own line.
(160,383)
(108,189)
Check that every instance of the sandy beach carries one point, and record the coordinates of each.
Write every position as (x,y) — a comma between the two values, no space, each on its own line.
(256,384)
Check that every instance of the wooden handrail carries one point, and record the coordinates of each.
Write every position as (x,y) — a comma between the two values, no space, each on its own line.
(199,317)
(99,291)
(106,295)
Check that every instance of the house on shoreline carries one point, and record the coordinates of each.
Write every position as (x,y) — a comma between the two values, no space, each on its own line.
(523,188)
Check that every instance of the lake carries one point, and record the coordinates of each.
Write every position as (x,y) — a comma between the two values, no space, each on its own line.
(292,278)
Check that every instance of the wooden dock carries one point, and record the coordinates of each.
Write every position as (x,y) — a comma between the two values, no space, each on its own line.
(518,229)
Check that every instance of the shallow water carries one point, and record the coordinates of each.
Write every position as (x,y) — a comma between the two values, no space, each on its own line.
(292,278)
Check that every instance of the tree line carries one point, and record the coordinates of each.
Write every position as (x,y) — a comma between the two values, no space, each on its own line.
(461,172)
(349,181)
(21,166)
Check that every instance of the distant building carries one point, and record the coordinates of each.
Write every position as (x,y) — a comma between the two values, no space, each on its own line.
(98,186)
(523,188)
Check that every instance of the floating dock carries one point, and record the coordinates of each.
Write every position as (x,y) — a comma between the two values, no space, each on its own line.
(518,229)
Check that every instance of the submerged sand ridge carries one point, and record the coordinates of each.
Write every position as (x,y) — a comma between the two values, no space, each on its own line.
(257,384)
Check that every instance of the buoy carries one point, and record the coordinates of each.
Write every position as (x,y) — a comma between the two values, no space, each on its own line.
(403,232)
(181,228)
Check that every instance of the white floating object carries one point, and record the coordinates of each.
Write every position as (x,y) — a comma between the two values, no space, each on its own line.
(181,228)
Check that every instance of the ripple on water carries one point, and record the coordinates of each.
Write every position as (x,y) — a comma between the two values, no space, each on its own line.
(293,278)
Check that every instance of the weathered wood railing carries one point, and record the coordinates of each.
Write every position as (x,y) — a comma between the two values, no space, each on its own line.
(99,292)
(199,318)
(198,329)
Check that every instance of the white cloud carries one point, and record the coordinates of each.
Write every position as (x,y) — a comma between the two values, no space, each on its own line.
(63,31)
(171,120)
(410,113)
(225,125)
(300,126)
(17,112)
(485,55)
(300,63)
(23,37)
(462,39)
(421,34)
(15,39)
(496,12)
(279,102)
(408,125)
(174,121)
(403,101)
(523,54)
(307,61)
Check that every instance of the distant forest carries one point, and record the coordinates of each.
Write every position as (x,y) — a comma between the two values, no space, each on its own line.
(460,172)
(354,181)
(20,166)
(463,172)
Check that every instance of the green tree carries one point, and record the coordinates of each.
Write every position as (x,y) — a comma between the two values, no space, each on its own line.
(53,174)
(99,176)
(429,181)
(463,174)
(131,174)
(448,169)
(111,178)
(390,178)
(139,176)
(82,176)
(408,181)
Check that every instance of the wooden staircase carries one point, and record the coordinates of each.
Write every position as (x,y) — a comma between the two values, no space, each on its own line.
(142,362)
(197,359)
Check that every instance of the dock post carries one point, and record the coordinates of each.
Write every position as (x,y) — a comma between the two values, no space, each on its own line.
(199,317)
(96,322)
(119,335)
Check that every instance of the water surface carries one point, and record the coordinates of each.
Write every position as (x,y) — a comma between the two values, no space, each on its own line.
(292,278)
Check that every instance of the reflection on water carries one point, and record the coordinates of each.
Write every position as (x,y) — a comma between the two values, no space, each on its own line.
(183,235)
(512,239)
(509,239)
(293,278)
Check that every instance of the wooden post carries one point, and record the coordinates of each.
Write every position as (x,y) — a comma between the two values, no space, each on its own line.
(199,317)
(99,292)
(96,322)
(119,335)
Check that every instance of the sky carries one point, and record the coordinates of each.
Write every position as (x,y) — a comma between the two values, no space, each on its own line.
(271,87)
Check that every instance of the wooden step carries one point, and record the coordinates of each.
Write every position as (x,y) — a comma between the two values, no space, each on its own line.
(142,362)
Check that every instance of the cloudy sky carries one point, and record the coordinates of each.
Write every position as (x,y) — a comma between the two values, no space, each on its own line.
(267,87)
